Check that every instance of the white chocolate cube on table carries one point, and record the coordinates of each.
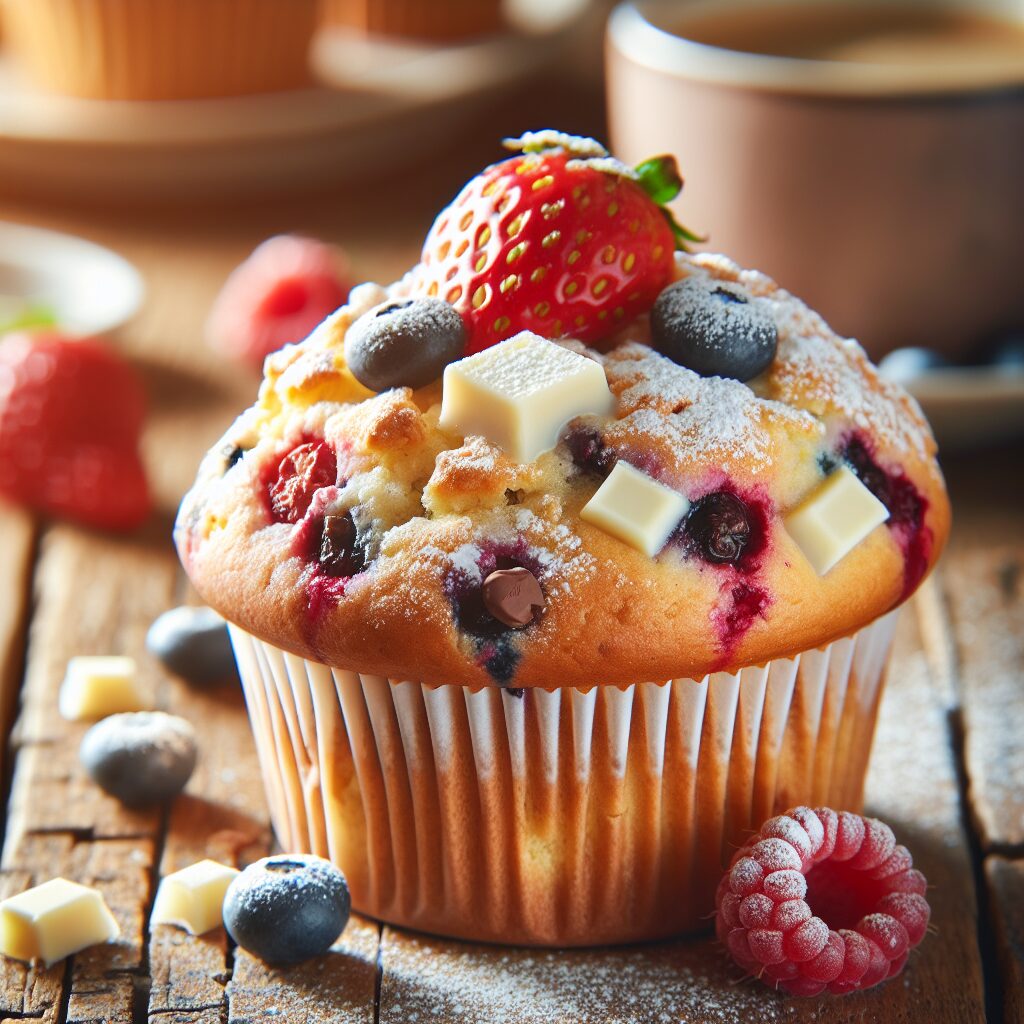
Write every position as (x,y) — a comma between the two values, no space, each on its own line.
(193,897)
(520,393)
(834,519)
(636,509)
(54,920)
(95,687)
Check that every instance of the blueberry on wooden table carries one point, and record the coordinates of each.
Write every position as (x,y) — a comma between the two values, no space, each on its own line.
(141,757)
(193,642)
(287,908)
(713,328)
(404,344)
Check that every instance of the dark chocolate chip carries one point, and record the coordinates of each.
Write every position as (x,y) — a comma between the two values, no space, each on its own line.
(193,643)
(513,596)
(140,757)
(404,344)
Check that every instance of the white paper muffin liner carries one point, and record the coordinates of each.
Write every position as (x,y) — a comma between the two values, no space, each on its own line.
(567,816)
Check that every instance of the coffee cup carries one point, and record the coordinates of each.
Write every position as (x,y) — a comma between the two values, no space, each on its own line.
(884,185)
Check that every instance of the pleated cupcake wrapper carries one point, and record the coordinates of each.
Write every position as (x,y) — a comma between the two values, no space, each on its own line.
(163,49)
(569,816)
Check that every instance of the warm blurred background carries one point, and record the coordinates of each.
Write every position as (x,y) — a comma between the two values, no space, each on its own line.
(869,157)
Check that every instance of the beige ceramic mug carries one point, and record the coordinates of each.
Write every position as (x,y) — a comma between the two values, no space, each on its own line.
(890,196)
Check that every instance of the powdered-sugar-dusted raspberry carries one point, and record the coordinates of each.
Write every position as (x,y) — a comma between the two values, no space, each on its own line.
(791,831)
(785,885)
(775,855)
(745,876)
(822,901)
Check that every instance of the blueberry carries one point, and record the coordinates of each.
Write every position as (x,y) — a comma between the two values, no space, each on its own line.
(713,328)
(905,364)
(404,344)
(340,553)
(719,526)
(589,451)
(287,908)
(140,757)
(193,643)
(232,456)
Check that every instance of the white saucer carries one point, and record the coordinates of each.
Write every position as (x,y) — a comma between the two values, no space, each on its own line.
(971,406)
(88,289)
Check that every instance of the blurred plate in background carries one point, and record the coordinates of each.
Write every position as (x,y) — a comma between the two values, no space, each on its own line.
(380,100)
(971,406)
(77,285)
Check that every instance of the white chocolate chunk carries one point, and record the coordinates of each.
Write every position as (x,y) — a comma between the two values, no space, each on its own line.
(830,523)
(636,509)
(193,897)
(520,394)
(54,920)
(95,687)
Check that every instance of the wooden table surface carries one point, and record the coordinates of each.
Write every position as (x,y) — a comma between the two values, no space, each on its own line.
(947,771)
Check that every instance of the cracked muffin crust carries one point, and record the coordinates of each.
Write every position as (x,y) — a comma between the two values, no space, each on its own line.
(429,514)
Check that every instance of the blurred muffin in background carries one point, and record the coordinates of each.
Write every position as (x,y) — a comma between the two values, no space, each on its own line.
(162,49)
(434,20)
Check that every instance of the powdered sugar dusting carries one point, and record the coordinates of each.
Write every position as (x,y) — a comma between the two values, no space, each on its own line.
(834,377)
(698,417)
(426,982)
(817,370)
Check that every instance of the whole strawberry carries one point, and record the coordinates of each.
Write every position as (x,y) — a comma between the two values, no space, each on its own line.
(560,240)
(71,411)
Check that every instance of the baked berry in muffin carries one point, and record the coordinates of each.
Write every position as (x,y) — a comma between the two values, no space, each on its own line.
(559,562)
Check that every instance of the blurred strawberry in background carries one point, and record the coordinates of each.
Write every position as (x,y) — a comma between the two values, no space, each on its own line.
(71,410)
(277,296)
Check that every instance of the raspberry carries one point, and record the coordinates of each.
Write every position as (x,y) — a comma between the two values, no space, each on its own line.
(276,297)
(297,477)
(822,901)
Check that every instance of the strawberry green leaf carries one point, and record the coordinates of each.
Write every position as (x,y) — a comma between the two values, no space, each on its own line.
(659,177)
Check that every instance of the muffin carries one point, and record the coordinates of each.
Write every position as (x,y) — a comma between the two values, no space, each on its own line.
(530,643)
(162,49)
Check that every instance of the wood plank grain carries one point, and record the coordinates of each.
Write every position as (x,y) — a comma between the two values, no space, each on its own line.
(985,592)
(17,542)
(912,785)
(1005,880)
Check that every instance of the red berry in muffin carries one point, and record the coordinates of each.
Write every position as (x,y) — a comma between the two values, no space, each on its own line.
(71,410)
(297,477)
(276,297)
(820,900)
(559,240)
